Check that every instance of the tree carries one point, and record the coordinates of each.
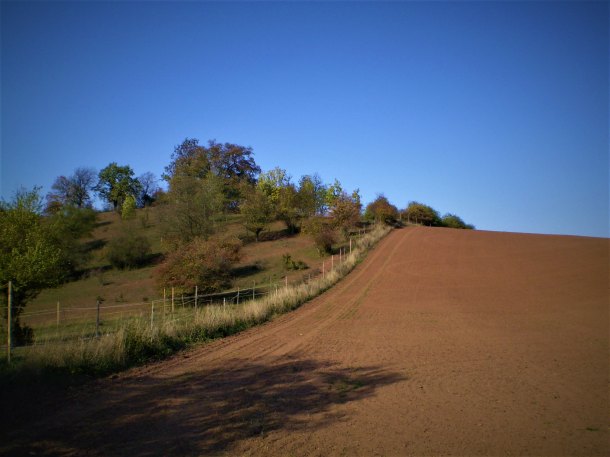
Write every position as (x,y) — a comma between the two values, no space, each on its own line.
(128,210)
(191,208)
(381,210)
(422,214)
(257,211)
(311,196)
(83,183)
(232,163)
(333,193)
(287,209)
(271,182)
(323,234)
(201,263)
(346,212)
(148,189)
(68,226)
(74,190)
(453,221)
(116,183)
(29,255)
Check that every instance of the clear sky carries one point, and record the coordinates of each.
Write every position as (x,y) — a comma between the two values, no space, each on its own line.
(495,111)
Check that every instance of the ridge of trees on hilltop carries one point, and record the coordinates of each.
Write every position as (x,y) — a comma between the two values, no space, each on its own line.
(42,246)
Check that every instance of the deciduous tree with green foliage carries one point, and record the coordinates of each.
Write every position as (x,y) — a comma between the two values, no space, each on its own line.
(115,183)
(257,211)
(453,221)
(419,213)
(29,255)
(191,208)
(381,210)
(232,163)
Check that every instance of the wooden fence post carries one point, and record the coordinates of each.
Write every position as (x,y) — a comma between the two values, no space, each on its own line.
(9,343)
(195,297)
(323,269)
(97,319)
(286,281)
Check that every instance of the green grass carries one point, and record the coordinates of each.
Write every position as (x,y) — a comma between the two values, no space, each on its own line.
(126,342)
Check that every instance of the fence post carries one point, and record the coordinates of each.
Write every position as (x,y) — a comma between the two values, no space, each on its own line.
(323,269)
(224,302)
(195,297)
(97,319)
(172,300)
(286,281)
(238,295)
(9,343)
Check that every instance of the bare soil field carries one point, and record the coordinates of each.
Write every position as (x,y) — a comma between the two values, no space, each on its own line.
(443,342)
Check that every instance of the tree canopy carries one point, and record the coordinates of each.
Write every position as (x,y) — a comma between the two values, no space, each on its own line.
(115,183)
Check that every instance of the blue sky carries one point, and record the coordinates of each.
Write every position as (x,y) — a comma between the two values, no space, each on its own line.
(495,111)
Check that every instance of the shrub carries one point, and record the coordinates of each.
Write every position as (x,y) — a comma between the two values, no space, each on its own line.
(381,210)
(201,263)
(291,264)
(128,251)
(322,233)
(453,221)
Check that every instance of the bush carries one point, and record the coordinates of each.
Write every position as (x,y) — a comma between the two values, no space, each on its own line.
(205,264)
(128,251)
(381,210)
(291,264)
(453,221)
(322,233)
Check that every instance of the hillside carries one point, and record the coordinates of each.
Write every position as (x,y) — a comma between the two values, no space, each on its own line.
(261,264)
(443,342)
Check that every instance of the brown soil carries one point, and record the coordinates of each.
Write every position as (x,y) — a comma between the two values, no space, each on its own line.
(443,342)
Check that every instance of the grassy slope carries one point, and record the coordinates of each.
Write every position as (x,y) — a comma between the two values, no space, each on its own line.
(261,263)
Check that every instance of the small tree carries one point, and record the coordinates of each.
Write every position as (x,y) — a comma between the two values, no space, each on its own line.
(323,234)
(128,211)
(381,210)
(29,255)
(116,183)
(419,213)
(346,212)
(190,208)
(453,221)
(256,211)
(201,263)
(148,189)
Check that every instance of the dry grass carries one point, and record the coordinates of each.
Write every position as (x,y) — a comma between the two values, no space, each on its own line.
(137,341)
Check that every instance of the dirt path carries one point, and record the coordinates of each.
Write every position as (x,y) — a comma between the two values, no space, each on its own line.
(442,342)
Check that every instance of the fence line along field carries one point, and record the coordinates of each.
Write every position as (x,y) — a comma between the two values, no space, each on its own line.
(442,342)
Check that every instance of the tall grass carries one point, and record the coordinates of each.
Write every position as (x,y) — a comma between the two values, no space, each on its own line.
(137,340)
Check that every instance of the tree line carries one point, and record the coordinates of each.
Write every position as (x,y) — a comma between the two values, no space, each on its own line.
(41,241)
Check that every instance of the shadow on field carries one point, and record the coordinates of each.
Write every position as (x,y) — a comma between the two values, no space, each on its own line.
(205,412)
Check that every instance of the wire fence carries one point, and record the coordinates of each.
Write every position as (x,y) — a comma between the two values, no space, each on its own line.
(64,323)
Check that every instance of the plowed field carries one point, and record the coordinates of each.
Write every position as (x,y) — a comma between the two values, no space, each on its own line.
(443,342)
